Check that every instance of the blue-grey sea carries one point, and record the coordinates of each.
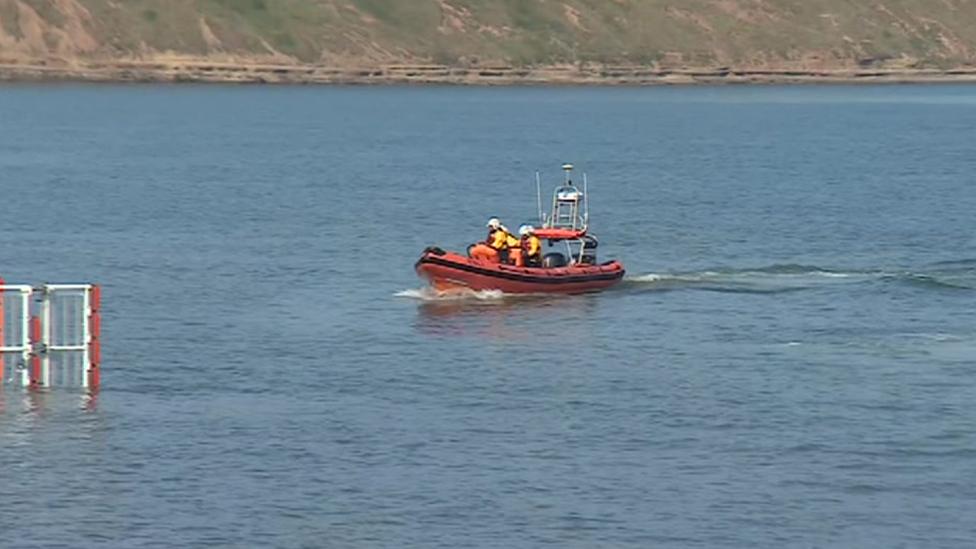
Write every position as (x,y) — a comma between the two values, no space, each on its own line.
(790,362)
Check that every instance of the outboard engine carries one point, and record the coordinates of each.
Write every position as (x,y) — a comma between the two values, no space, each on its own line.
(554,260)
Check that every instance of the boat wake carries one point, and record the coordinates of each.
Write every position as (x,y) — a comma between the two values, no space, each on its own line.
(959,275)
(773,279)
(428,294)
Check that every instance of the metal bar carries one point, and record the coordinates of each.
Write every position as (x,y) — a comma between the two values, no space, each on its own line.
(32,359)
(46,332)
(3,317)
(538,197)
(58,287)
(86,337)
(586,204)
(57,330)
(553,212)
(30,372)
(16,288)
(25,339)
(95,349)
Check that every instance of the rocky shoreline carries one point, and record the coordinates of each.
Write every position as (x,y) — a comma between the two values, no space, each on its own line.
(203,71)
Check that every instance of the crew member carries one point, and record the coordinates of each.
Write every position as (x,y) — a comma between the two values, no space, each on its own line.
(495,247)
(530,246)
(499,239)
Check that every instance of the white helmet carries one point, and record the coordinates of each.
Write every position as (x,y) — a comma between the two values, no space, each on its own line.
(494,223)
(526,230)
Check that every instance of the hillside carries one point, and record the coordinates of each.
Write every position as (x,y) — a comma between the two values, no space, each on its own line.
(485,40)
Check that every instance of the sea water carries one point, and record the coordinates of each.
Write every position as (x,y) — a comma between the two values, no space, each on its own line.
(789,362)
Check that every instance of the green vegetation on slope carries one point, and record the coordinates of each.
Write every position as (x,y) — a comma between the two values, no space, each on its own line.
(751,33)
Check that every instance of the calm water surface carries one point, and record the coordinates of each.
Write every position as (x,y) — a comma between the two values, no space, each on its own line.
(790,362)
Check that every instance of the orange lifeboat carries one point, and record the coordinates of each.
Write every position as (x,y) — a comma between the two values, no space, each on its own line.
(565,229)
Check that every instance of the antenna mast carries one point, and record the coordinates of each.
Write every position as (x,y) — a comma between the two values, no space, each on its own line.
(586,204)
(538,197)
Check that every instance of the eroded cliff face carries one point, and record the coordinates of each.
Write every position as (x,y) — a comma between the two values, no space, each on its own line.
(435,39)
(64,30)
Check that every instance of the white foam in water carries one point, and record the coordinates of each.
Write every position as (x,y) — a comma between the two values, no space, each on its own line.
(745,273)
(675,277)
(651,277)
(461,294)
(834,275)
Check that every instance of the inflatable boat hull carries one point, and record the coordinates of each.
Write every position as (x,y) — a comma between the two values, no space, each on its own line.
(447,271)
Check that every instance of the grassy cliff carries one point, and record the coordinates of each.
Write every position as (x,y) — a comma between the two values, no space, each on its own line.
(781,35)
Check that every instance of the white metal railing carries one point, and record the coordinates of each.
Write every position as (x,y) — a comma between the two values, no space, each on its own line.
(59,344)
(15,342)
(570,207)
